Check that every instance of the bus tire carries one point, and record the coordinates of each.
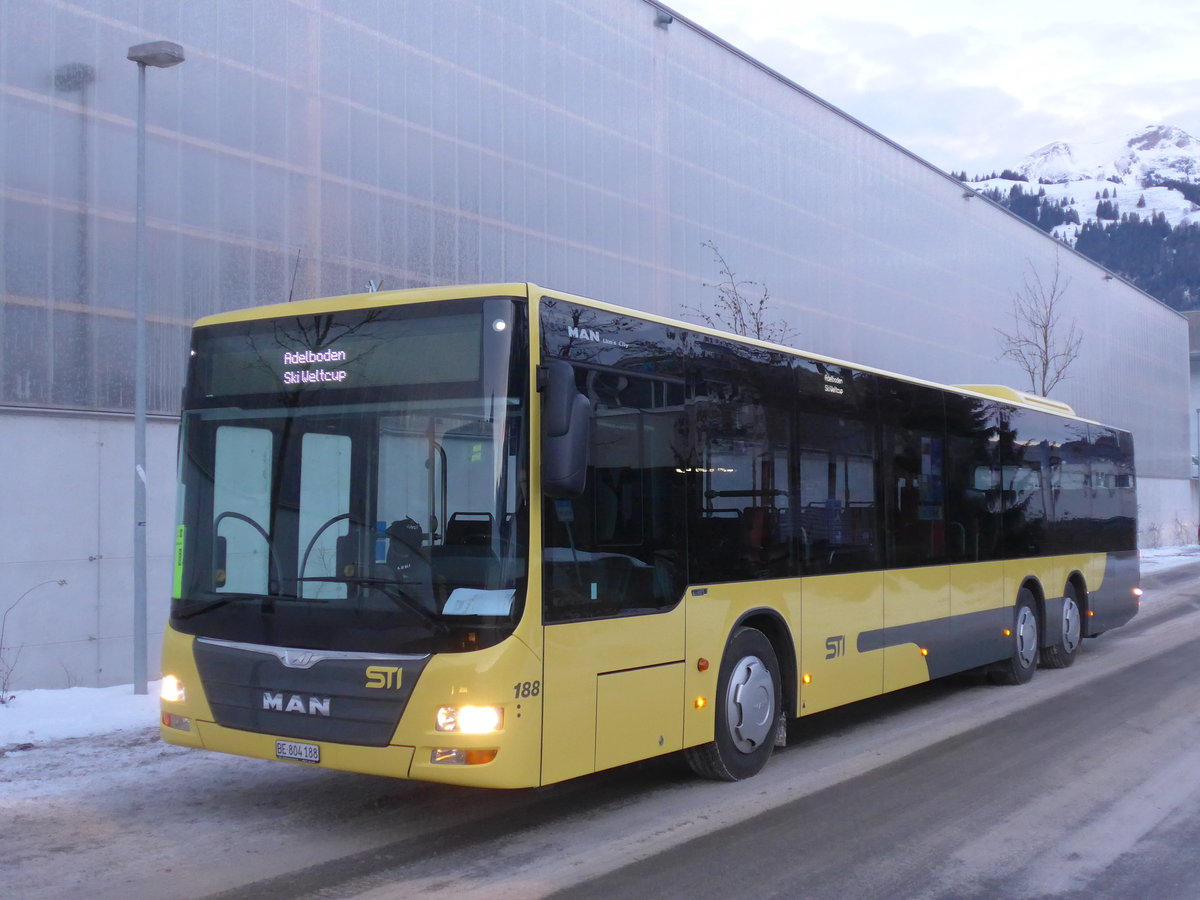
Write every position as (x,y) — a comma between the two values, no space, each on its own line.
(747,705)
(1022,662)
(1062,653)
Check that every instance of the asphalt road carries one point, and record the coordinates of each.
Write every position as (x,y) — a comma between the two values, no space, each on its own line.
(1085,782)
(1092,793)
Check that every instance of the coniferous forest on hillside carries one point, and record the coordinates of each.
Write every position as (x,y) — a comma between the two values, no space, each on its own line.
(1142,248)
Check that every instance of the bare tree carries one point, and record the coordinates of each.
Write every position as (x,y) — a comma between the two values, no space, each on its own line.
(10,655)
(737,311)
(1041,343)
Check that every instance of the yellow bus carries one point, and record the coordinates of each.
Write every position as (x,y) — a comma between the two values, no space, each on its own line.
(503,536)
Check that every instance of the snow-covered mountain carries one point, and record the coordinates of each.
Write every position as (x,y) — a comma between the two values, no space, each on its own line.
(1153,154)
(1128,172)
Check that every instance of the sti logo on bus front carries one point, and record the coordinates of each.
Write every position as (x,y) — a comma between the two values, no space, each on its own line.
(383,677)
(310,706)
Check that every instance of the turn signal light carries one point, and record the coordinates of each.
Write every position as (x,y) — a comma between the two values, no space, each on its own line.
(446,756)
(180,723)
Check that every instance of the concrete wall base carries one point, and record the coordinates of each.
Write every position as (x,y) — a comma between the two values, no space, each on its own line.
(68,517)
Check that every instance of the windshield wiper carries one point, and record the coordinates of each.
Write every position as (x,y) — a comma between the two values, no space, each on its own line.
(222,601)
(394,592)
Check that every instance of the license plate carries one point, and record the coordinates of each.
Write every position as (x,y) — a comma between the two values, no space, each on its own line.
(309,753)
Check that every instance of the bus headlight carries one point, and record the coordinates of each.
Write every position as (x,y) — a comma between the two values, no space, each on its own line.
(172,689)
(470,719)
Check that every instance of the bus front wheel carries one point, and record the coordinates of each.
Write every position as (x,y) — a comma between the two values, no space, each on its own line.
(747,710)
(1019,666)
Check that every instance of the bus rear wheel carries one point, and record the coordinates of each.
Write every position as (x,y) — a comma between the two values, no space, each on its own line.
(1019,666)
(1062,653)
(747,710)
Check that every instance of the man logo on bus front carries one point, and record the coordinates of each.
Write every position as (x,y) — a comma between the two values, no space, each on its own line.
(296,703)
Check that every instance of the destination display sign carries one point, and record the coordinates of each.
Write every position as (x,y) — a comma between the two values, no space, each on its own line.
(340,351)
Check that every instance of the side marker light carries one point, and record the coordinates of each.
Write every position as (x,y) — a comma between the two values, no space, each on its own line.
(807,679)
(701,702)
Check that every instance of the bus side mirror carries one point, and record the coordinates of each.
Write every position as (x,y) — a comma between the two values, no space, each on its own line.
(566,433)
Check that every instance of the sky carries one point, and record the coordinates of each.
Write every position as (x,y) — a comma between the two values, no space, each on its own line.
(974,86)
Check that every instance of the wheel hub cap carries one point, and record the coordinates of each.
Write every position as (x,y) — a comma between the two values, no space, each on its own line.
(750,704)
(1071,625)
(1027,639)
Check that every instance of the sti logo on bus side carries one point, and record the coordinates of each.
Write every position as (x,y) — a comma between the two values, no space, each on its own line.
(311,706)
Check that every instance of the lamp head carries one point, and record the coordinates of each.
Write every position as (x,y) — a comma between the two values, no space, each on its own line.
(160,54)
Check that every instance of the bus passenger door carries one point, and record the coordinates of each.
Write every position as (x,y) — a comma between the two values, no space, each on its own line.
(612,579)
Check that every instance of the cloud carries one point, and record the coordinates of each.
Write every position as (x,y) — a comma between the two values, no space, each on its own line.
(963,85)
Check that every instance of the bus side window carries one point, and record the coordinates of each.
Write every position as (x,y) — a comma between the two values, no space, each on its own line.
(973,492)
(742,522)
(1114,507)
(835,494)
(914,462)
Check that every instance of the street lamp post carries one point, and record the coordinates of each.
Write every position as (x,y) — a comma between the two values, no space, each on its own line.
(161,55)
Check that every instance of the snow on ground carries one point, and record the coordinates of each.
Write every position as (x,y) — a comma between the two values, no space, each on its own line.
(1162,558)
(39,716)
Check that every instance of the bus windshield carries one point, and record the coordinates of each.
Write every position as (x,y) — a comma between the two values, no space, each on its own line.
(353,481)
